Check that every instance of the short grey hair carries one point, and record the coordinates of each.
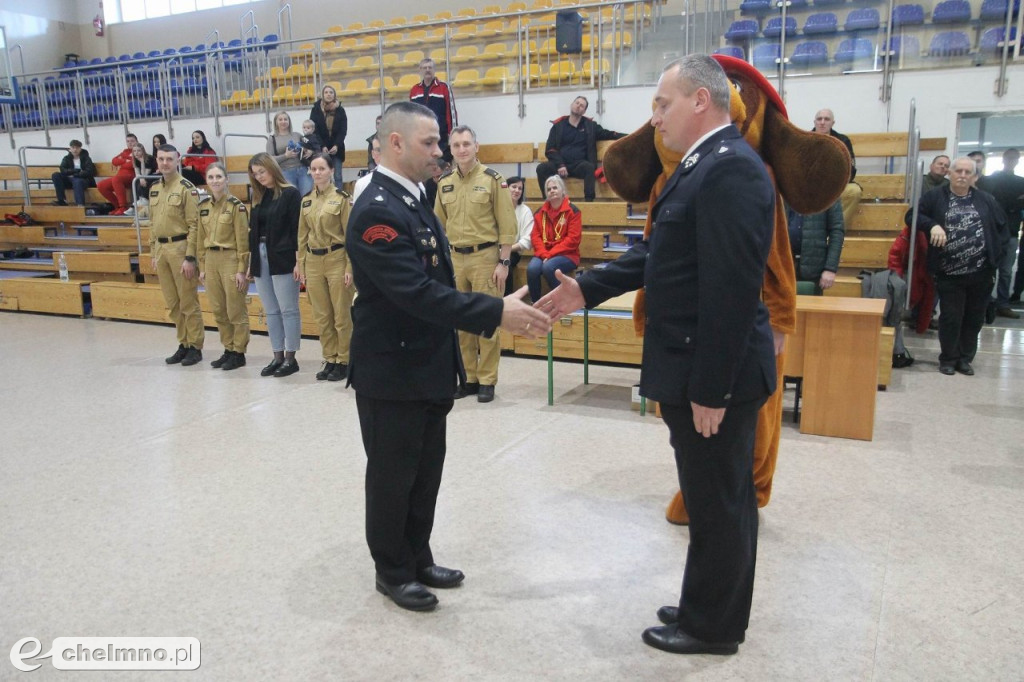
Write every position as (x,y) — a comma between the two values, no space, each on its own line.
(463,129)
(701,71)
(559,181)
(966,159)
(399,117)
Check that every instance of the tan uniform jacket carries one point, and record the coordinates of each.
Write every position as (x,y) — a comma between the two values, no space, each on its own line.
(225,225)
(476,208)
(322,221)
(174,211)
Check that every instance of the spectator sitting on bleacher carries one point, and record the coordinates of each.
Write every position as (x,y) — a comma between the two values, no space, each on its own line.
(524,217)
(197,158)
(936,175)
(77,170)
(817,243)
(158,141)
(556,236)
(114,189)
(144,164)
(371,162)
(571,148)
(823,122)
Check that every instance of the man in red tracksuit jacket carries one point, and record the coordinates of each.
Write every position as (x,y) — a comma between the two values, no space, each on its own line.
(436,95)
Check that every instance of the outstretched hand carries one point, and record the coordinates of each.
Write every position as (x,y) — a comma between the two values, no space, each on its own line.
(563,299)
(519,318)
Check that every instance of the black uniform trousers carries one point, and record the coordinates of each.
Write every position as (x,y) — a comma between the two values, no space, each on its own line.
(962,303)
(717,481)
(405,447)
(574,169)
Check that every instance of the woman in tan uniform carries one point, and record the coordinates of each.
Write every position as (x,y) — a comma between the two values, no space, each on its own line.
(323,265)
(223,254)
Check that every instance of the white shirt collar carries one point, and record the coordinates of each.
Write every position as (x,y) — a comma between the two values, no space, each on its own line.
(703,138)
(407,184)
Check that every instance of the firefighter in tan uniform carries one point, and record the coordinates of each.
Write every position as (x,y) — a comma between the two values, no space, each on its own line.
(475,209)
(324,268)
(174,217)
(223,259)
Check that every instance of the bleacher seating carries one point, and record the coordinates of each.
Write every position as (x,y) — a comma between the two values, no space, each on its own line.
(995,10)
(767,56)
(742,30)
(992,40)
(810,53)
(949,44)
(862,19)
(952,12)
(907,15)
(854,49)
(821,23)
(773,27)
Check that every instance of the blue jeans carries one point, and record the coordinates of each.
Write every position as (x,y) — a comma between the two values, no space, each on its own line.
(1005,275)
(78,186)
(279,295)
(299,177)
(539,266)
(337,172)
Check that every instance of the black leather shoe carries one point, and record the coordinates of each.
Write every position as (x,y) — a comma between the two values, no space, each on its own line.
(192,357)
(671,639)
(990,312)
(467,389)
(178,356)
(287,368)
(1008,312)
(669,615)
(486,394)
(219,362)
(440,577)
(412,596)
(900,360)
(327,369)
(234,362)
(269,370)
(339,373)
(947,370)
(964,367)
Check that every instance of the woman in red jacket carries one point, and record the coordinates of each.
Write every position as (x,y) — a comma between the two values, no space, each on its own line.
(115,189)
(557,231)
(197,158)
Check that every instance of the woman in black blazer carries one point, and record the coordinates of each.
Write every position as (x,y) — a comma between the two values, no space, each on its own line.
(273,245)
(328,116)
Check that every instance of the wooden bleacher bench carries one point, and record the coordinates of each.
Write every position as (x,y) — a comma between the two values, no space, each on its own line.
(44,295)
(890,144)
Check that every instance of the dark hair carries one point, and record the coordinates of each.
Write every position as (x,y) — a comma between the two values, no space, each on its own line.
(167,148)
(75,143)
(325,157)
(204,147)
(161,141)
(514,179)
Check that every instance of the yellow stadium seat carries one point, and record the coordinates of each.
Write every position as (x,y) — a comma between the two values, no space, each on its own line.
(397,21)
(592,69)
(334,84)
(355,87)
(465,32)
(389,60)
(334,29)
(466,12)
(369,41)
(276,73)
(283,94)
(541,4)
(296,71)
(364,63)
(497,76)
(356,26)
(435,35)
(467,78)
(347,44)
(623,39)
(420,18)
(548,47)
(416,37)
(305,94)
(442,75)
(561,73)
(406,82)
(491,9)
(411,58)
(337,66)
(490,29)
(493,51)
(376,23)
(236,99)
(516,7)
(533,73)
(439,55)
(466,53)
(443,15)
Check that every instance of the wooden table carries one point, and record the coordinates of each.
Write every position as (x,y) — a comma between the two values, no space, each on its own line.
(835,350)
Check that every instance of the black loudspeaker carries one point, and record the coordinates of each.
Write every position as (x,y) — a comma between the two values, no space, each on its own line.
(568,32)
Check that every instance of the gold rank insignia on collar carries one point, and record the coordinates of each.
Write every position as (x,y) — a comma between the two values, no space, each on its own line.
(409,201)
(690,160)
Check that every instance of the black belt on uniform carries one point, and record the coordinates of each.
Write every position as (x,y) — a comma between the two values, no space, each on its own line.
(473,249)
(324,252)
(220,248)
(175,238)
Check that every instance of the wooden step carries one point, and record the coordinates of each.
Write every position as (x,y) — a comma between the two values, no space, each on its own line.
(865,252)
(887,187)
(872,216)
(845,285)
(43,295)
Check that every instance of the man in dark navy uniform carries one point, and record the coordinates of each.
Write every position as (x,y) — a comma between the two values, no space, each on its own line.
(405,364)
(708,355)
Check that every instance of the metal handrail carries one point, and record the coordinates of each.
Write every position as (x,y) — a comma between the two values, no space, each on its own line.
(914,207)
(23,160)
(280,24)
(912,153)
(21,56)
(23,172)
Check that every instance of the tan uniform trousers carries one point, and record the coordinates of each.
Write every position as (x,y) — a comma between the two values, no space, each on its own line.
(180,294)
(226,301)
(332,303)
(850,199)
(473,272)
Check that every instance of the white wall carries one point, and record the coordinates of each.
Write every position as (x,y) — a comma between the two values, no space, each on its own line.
(46,29)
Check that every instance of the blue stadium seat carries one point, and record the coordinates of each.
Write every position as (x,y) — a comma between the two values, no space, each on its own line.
(135,109)
(952,12)
(995,10)
(756,6)
(766,56)
(828,3)
(908,46)
(270,42)
(907,15)
(821,23)
(744,29)
(810,53)
(949,44)
(992,39)
(153,108)
(773,29)
(138,55)
(863,19)
(854,49)
(731,51)
(98,112)
(194,86)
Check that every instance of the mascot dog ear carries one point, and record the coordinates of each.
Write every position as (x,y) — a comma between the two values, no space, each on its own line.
(631,165)
(811,170)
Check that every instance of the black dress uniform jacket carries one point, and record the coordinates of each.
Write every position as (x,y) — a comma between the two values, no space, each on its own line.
(716,349)
(281,231)
(404,345)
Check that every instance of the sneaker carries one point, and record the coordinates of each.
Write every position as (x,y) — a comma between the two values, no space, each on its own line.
(118,211)
(129,212)
(219,362)
(178,356)
(288,367)
(325,371)
(339,372)
(234,362)
(192,356)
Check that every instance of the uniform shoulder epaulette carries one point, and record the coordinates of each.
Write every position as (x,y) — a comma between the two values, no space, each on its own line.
(186,184)
(203,199)
(494,174)
(344,194)
(447,173)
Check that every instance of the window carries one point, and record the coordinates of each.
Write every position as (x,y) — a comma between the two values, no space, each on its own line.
(123,11)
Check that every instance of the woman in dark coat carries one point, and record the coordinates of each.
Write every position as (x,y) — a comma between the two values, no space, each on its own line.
(331,127)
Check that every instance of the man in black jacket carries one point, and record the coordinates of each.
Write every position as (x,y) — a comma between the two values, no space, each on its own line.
(405,363)
(708,356)
(572,148)
(1008,189)
(967,236)
(76,170)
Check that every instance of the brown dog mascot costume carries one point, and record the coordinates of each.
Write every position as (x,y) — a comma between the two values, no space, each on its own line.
(810,172)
